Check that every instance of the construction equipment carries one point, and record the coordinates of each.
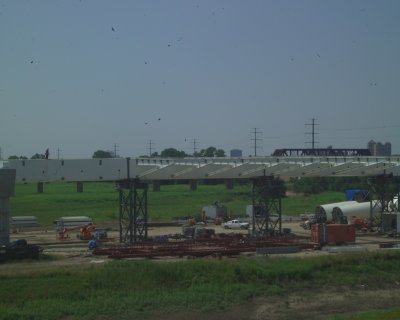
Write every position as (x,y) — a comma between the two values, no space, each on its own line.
(85,232)
(359,223)
(197,231)
(19,249)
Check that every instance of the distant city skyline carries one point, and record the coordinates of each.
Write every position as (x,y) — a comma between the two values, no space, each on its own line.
(87,75)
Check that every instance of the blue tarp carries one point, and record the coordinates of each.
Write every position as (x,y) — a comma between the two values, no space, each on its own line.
(352,194)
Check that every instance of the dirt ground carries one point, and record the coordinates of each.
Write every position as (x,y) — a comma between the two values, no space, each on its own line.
(47,237)
(74,251)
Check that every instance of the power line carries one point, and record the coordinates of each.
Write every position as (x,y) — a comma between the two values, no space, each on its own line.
(363,128)
(255,139)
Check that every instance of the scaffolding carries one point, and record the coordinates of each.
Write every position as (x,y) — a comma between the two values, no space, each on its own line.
(385,190)
(133,218)
(267,193)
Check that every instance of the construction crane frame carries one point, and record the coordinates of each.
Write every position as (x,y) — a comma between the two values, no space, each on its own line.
(133,212)
(267,206)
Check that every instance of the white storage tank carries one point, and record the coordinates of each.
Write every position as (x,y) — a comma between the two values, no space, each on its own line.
(215,211)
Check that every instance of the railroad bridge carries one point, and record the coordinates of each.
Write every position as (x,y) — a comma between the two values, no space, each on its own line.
(133,175)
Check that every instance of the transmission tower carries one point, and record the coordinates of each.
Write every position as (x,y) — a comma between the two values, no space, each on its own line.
(312,133)
(195,142)
(151,144)
(255,139)
(115,150)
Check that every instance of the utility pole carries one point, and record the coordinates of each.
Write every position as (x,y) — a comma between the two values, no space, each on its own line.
(58,153)
(255,139)
(151,143)
(312,133)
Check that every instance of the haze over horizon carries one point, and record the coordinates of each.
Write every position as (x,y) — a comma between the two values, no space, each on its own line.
(86,75)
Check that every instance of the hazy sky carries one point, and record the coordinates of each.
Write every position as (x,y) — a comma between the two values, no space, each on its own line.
(80,76)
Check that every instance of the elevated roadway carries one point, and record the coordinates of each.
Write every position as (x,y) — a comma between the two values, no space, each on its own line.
(153,169)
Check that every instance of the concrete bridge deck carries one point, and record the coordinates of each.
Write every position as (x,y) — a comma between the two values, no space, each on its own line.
(153,169)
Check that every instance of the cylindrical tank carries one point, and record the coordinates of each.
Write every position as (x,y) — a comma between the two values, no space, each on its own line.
(358,209)
(323,213)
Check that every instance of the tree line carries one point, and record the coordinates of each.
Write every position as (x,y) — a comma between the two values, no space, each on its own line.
(209,152)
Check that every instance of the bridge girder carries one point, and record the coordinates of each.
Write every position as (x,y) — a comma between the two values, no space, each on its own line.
(149,169)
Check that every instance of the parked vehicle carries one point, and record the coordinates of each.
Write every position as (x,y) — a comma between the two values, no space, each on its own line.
(235,224)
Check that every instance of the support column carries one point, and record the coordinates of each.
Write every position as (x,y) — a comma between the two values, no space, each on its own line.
(229,184)
(267,206)
(79,187)
(193,185)
(4,221)
(133,211)
(7,189)
(156,185)
(40,187)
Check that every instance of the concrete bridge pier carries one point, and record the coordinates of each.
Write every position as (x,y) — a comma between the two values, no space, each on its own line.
(7,189)
(79,187)
(40,187)
(229,184)
(156,185)
(193,185)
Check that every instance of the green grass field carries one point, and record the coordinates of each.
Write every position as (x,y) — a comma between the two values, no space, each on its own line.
(100,201)
(133,289)
(392,314)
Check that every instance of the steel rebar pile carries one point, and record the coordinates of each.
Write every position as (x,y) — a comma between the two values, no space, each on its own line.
(201,248)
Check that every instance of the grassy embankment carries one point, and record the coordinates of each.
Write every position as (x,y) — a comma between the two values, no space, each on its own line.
(100,201)
(134,289)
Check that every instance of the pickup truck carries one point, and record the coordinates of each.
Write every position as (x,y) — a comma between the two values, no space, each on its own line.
(235,224)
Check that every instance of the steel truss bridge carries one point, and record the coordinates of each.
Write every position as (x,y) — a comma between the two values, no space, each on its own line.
(132,177)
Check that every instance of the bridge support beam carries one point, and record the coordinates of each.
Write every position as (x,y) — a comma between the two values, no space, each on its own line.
(79,187)
(4,221)
(229,184)
(267,206)
(193,185)
(40,187)
(7,189)
(156,185)
(133,217)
